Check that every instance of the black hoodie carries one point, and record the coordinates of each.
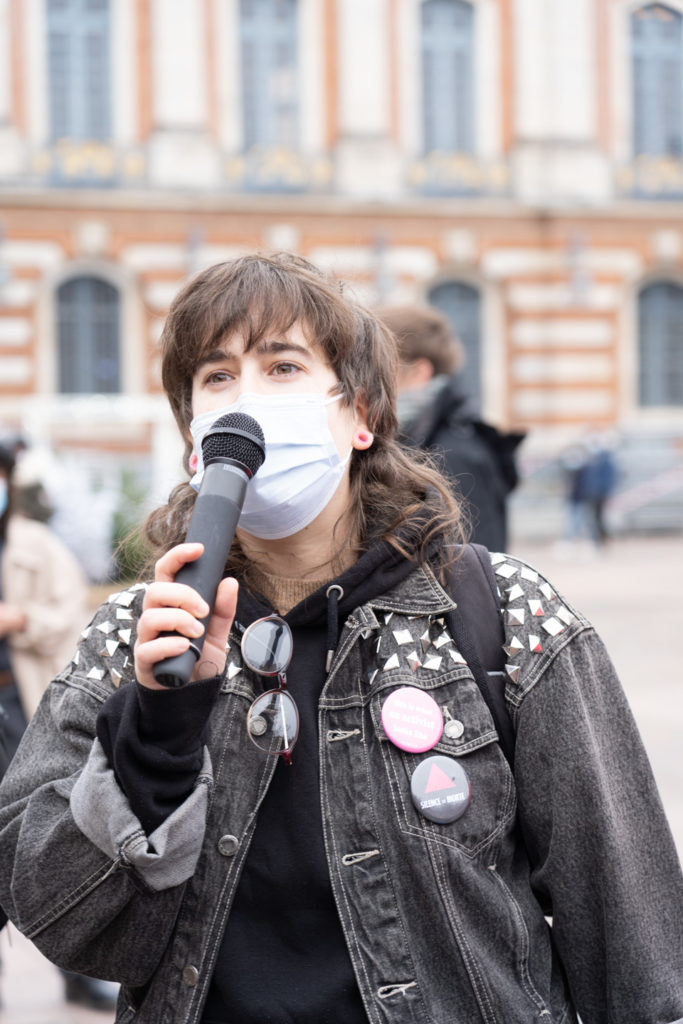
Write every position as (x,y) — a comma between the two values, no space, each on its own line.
(283,957)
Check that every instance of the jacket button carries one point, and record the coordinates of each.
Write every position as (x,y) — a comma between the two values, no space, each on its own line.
(190,975)
(227,845)
(257,725)
(454,729)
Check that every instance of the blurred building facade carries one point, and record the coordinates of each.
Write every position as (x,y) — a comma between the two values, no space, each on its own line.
(518,163)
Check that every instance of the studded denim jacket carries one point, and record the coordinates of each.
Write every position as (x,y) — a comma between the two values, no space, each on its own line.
(442,921)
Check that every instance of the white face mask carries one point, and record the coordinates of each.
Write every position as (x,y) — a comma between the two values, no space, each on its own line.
(302,468)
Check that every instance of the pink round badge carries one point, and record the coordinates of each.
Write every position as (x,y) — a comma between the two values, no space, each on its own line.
(412,719)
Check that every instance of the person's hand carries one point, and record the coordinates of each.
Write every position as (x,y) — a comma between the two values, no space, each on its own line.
(12,619)
(177,608)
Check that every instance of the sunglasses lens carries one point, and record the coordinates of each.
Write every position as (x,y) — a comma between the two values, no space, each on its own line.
(273,722)
(267,646)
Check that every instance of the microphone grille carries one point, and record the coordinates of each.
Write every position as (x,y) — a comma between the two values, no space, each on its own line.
(238,437)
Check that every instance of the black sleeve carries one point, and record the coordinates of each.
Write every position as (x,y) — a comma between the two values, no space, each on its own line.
(153,740)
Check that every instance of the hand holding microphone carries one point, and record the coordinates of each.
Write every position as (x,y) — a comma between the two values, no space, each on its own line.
(188,579)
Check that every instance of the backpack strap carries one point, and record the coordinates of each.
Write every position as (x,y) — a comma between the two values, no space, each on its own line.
(476,625)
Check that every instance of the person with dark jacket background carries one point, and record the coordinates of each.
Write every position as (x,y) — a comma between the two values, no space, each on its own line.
(436,415)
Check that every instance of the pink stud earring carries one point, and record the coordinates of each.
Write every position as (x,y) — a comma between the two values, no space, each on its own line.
(194,462)
(364,439)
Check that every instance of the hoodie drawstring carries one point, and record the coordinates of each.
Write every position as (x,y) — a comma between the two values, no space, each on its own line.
(333,595)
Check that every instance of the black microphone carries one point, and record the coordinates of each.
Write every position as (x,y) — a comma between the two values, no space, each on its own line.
(232,452)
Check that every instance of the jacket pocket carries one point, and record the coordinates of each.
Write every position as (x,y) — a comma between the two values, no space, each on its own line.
(470,737)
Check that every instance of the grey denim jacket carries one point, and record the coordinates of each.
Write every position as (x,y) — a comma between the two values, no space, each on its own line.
(441,921)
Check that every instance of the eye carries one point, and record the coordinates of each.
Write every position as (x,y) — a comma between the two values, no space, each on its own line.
(285,369)
(218,377)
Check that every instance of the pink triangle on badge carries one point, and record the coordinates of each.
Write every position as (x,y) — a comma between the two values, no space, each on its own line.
(438,780)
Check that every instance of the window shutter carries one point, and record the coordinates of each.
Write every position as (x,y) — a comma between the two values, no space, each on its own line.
(88,337)
(448,76)
(657,63)
(661,344)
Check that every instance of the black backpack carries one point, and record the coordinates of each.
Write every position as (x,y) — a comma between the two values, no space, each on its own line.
(476,626)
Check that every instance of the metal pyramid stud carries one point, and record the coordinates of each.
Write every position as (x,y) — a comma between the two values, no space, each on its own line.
(76,658)
(233,670)
(536,607)
(413,660)
(564,614)
(553,626)
(373,676)
(125,635)
(85,633)
(378,644)
(515,616)
(388,616)
(110,648)
(403,636)
(95,673)
(513,671)
(426,640)
(514,592)
(433,663)
(497,557)
(442,638)
(392,662)
(547,591)
(440,622)
(123,614)
(115,677)
(529,574)
(535,644)
(456,656)
(125,598)
(514,646)
(106,627)
(506,570)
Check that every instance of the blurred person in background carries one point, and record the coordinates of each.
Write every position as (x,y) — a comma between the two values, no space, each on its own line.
(43,608)
(437,416)
(590,473)
(599,482)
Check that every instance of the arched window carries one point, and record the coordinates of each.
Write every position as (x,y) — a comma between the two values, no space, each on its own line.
(88,336)
(447,76)
(461,304)
(660,326)
(657,56)
(78,69)
(270,94)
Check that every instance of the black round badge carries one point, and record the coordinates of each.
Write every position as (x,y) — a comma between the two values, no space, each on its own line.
(440,789)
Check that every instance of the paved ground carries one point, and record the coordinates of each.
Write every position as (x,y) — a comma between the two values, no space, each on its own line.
(631,593)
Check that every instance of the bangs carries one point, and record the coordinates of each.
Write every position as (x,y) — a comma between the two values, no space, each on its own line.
(257,297)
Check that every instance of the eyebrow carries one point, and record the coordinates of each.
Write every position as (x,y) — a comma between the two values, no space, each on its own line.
(276,346)
(264,347)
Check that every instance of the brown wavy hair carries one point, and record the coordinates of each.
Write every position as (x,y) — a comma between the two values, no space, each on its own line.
(397,494)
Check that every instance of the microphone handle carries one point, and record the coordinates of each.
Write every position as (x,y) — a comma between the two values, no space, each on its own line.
(216,513)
